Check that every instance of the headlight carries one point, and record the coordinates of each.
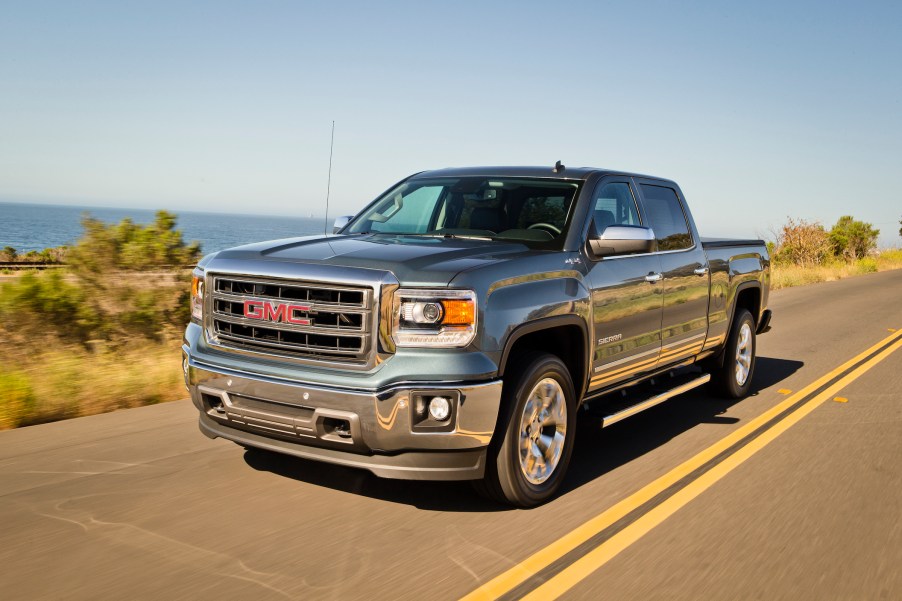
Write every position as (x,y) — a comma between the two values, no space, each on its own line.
(436,318)
(197,297)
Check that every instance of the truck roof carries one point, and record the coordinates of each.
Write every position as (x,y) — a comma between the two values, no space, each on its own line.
(525,171)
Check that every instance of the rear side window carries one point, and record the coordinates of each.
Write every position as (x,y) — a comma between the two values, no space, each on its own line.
(666,217)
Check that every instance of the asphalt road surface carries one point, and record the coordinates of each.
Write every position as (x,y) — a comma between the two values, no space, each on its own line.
(788,494)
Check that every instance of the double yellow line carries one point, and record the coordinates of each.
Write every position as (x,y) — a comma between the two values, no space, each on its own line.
(552,571)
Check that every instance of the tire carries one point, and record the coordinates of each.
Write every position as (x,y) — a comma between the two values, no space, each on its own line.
(531,450)
(733,380)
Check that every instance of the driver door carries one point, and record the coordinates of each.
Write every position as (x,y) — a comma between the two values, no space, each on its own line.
(627,299)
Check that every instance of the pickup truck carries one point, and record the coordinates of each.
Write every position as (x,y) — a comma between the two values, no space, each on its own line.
(462,324)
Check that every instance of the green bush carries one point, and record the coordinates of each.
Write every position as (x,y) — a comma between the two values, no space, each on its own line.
(99,297)
(128,246)
(47,300)
(853,239)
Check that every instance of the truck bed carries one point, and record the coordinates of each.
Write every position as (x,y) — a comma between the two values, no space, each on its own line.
(730,242)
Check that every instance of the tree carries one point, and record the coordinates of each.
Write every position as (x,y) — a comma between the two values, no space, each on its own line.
(900,229)
(853,239)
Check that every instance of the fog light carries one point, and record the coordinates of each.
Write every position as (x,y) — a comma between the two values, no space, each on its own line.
(439,408)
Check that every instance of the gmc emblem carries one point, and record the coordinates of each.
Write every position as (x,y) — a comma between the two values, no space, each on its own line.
(269,311)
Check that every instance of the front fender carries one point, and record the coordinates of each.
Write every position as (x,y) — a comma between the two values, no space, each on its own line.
(510,306)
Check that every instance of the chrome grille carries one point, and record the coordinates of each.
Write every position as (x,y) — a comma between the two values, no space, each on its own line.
(297,319)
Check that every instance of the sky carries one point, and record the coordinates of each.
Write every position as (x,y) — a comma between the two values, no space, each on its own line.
(760,111)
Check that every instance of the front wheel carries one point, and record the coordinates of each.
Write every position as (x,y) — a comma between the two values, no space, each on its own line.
(734,379)
(527,461)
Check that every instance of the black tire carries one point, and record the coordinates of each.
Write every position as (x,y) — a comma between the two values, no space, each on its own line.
(538,392)
(733,380)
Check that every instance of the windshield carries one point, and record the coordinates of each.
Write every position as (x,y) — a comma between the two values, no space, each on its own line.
(536,211)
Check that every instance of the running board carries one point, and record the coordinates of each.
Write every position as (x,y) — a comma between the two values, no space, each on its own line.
(655,400)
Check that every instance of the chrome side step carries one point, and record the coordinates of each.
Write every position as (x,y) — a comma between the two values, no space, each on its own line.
(655,400)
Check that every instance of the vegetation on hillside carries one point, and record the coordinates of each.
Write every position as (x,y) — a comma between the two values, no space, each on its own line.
(48,256)
(805,252)
(103,331)
(93,335)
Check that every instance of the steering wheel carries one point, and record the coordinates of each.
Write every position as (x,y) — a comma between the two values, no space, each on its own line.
(545,226)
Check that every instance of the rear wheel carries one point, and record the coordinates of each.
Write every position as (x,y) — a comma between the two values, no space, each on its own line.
(529,457)
(734,379)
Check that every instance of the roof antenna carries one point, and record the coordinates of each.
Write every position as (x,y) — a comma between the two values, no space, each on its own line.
(329,181)
(558,167)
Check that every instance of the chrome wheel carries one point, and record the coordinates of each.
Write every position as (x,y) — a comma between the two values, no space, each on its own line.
(743,354)
(543,430)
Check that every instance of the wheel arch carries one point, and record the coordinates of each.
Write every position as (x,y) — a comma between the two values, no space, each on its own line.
(565,336)
(748,296)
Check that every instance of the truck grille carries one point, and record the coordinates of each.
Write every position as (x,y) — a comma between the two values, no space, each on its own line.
(296,319)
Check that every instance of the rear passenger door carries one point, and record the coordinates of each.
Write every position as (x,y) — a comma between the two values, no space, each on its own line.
(684,268)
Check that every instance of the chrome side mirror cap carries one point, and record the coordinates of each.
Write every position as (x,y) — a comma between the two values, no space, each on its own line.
(618,240)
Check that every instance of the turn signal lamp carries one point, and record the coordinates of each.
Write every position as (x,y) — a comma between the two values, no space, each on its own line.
(459,312)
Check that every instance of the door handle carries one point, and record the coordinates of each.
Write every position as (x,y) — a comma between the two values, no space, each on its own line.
(654,277)
(701,271)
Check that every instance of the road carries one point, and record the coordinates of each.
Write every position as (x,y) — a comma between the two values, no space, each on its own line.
(137,504)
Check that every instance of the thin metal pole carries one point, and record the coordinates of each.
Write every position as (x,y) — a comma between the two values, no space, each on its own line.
(329,181)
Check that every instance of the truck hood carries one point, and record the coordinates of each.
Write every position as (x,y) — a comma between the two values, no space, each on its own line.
(413,260)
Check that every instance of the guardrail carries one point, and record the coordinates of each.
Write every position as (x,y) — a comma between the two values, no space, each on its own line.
(22,265)
(19,265)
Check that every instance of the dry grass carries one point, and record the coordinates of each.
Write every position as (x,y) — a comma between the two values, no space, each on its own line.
(786,276)
(42,386)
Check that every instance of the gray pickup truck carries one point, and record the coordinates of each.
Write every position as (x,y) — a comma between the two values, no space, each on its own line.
(461,325)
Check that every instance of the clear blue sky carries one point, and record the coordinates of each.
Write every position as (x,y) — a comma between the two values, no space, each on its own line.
(760,110)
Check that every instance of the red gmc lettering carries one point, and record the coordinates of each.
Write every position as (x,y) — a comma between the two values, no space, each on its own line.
(284,312)
(274,312)
(253,309)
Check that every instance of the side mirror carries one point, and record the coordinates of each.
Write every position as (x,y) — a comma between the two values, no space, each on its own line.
(340,223)
(618,240)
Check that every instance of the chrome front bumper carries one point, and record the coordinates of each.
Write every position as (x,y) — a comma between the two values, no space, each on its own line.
(381,431)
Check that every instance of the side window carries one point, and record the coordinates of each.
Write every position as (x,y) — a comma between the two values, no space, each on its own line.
(614,205)
(410,212)
(666,217)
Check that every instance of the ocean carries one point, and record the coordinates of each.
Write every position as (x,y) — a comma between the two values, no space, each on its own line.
(36,226)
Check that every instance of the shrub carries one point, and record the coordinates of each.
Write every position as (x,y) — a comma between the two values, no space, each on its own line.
(47,301)
(99,297)
(801,242)
(128,246)
(851,239)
